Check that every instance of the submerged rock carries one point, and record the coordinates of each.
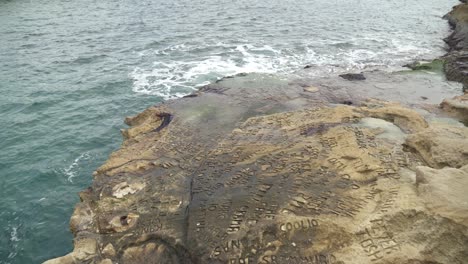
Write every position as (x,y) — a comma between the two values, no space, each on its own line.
(436,65)
(256,169)
(353,76)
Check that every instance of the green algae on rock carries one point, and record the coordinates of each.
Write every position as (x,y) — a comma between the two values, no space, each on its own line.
(434,66)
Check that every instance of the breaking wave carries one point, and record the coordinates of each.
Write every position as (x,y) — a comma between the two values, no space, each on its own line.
(176,71)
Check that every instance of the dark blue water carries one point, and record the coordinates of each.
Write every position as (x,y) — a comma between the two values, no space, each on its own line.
(70,71)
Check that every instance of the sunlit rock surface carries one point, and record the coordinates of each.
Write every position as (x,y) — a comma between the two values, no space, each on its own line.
(457,106)
(257,169)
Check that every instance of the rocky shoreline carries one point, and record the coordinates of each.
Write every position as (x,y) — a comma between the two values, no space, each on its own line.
(258,169)
(456,66)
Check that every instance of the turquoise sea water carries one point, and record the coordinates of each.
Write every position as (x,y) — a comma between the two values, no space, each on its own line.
(70,71)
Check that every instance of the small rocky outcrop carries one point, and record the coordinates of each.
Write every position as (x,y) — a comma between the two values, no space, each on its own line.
(353,76)
(436,65)
(456,66)
(457,106)
(258,170)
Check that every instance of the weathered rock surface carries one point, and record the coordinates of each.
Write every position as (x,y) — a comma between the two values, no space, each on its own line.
(441,145)
(255,169)
(457,106)
(444,191)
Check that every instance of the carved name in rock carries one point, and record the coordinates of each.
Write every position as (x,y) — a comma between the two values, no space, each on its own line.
(281,191)
(308,186)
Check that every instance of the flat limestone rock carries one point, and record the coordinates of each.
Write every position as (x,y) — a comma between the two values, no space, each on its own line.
(249,173)
(458,106)
(441,145)
(444,191)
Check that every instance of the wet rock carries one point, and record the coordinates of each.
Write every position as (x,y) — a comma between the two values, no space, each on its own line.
(191,95)
(353,76)
(149,120)
(457,59)
(457,19)
(416,66)
(433,66)
(404,87)
(456,67)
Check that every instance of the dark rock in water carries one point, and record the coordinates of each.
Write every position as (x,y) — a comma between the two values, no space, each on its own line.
(346,102)
(353,76)
(190,95)
(417,66)
(166,119)
(456,66)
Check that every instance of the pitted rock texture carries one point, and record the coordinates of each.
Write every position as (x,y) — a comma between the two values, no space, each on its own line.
(259,170)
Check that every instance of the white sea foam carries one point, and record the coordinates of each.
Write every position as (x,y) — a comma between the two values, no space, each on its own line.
(14,239)
(72,170)
(14,234)
(177,78)
(177,72)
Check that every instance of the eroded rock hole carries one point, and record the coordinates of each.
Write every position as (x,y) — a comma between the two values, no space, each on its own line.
(124,220)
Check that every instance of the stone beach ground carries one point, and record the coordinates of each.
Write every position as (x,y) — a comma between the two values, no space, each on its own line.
(370,168)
